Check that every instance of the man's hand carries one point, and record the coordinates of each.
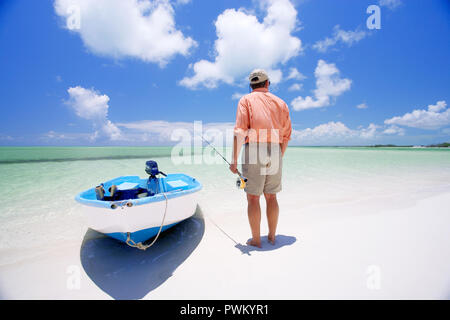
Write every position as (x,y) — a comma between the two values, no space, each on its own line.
(233,168)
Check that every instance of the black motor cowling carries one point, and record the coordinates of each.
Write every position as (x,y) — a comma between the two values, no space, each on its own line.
(151,167)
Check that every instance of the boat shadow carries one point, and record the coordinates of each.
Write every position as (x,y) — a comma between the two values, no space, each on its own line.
(129,273)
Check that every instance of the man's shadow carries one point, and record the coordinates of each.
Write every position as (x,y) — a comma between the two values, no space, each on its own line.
(124,272)
(281,241)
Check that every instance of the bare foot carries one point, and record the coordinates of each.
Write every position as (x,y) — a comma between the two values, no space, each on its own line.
(254,243)
(271,239)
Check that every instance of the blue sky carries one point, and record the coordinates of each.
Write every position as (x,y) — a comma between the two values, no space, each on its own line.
(133,71)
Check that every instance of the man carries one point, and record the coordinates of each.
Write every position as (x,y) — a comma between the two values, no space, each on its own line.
(263,126)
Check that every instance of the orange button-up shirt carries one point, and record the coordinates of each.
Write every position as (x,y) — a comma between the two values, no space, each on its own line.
(263,117)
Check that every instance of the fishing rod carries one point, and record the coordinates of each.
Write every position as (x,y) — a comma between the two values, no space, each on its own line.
(241,181)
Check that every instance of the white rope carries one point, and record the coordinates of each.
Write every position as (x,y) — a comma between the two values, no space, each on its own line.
(141,246)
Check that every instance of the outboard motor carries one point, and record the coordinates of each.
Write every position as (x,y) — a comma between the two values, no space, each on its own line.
(151,167)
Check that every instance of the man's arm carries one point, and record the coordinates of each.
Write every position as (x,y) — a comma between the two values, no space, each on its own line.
(237,146)
(287,131)
(240,132)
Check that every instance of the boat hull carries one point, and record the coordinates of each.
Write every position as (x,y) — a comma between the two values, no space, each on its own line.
(141,235)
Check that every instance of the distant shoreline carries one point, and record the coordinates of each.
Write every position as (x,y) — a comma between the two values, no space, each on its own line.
(440,145)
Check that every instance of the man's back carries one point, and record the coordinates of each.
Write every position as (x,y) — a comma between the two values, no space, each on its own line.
(266,114)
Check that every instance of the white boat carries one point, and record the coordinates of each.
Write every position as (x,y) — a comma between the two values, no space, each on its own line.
(140,208)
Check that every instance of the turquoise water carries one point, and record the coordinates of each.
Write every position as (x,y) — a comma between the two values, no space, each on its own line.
(38,184)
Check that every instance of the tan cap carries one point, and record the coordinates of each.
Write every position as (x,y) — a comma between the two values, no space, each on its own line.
(257,76)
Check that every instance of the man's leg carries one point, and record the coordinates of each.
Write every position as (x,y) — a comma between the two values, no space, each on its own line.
(272,215)
(254,218)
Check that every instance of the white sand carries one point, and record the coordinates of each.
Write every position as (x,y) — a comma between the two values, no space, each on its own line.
(394,247)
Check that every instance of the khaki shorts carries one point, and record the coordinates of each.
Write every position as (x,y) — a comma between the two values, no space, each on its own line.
(262,166)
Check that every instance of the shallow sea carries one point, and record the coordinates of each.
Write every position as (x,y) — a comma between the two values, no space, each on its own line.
(38,184)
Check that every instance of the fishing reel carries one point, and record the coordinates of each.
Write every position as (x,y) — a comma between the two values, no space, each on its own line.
(241,182)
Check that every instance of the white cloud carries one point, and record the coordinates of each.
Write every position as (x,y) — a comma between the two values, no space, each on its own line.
(337,133)
(158,132)
(339,35)
(244,43)
(52,135)
(391,4)
(162,131)
(328,85)
(111,130)
(182,1)
(362,106)
(330,133)
(89,104)
(430,119)
(333,133)
(369,132)
(394,130)
(295,75)
(296,87)
(275,76)
(326,130)
(166,127)
(142,29)
(440,105)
